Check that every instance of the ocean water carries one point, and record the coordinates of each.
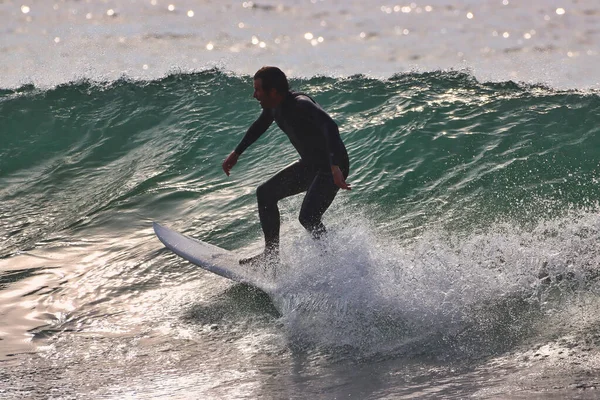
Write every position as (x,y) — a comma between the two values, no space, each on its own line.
(463,264)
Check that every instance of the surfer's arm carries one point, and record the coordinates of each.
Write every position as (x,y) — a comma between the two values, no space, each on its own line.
(331,133)
(259,127)
(320,119)
(255,131)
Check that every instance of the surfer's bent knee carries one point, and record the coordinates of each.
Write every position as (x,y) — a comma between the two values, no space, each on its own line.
(262,194)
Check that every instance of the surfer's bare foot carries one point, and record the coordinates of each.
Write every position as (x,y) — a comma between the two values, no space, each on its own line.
(262,259)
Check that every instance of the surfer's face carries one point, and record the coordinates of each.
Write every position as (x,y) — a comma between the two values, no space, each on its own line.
(266,99)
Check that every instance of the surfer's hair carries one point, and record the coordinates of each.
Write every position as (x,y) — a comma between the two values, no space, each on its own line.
(272,78)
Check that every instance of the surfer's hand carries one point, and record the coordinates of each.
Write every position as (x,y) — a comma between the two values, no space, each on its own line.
(229,162)
(338,178)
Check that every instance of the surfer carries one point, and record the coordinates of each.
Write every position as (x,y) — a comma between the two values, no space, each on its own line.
(321,171)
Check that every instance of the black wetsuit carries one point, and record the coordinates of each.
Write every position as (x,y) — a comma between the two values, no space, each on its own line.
(317,139)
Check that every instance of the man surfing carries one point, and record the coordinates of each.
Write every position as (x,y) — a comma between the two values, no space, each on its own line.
(321,171)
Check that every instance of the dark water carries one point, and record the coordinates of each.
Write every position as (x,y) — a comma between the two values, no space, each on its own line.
(466,195)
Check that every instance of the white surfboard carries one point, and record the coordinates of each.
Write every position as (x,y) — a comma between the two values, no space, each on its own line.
(211,258)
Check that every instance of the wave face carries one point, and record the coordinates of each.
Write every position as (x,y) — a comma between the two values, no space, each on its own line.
(435,147)
(464,194)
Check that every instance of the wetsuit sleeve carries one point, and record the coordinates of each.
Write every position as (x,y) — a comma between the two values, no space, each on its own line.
(327,126)
(255,131)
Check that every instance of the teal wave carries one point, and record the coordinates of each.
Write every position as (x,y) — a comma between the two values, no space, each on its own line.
(426,148)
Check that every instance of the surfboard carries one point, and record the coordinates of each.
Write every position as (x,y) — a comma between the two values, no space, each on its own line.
(212,258)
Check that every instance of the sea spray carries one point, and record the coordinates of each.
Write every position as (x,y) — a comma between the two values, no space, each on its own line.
(440,293)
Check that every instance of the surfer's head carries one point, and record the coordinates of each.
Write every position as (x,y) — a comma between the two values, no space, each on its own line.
(270,86)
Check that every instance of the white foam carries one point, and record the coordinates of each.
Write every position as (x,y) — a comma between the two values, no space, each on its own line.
(376,293)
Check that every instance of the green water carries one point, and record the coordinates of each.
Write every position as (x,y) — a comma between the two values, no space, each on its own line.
(425,148)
